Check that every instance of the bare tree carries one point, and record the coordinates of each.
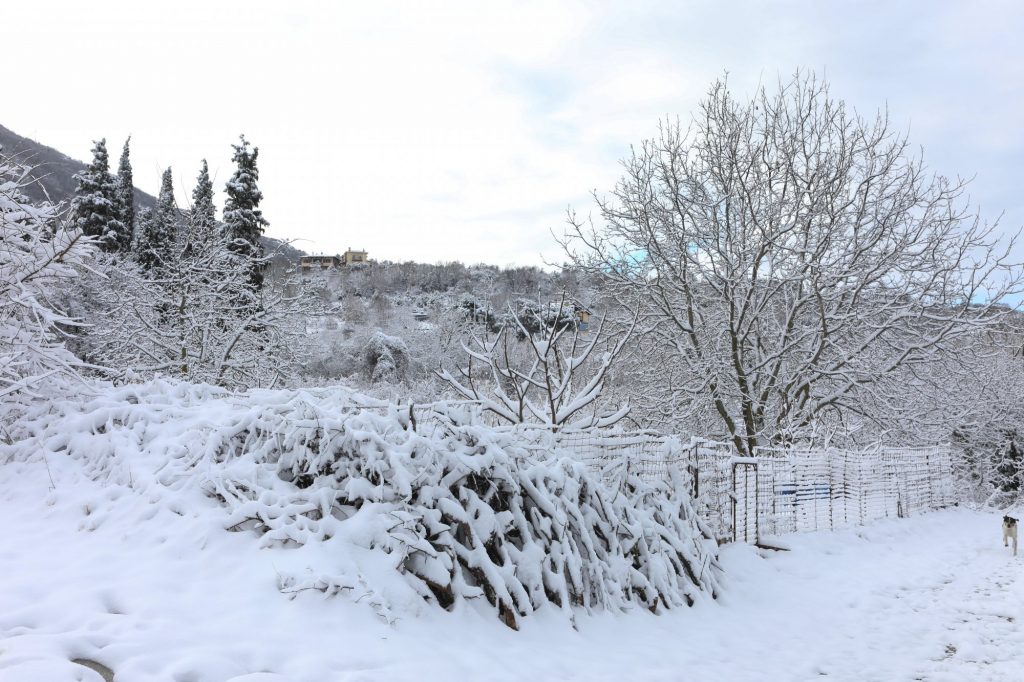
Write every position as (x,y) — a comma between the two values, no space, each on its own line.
(542,370)
(195,315)
(38,255)
(793,258)
(976,406)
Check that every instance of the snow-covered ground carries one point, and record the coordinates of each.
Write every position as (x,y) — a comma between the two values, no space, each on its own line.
(159,592)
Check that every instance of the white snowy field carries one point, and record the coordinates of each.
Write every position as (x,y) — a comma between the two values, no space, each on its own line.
(157,592)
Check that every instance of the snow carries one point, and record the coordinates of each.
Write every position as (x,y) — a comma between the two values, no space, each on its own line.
(36,267)
(401,521)
(157,590)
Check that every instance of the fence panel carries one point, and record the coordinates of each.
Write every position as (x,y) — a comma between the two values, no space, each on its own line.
(775,492)
(779,491)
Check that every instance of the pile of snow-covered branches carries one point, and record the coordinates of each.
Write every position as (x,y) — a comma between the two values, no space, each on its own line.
(447,513)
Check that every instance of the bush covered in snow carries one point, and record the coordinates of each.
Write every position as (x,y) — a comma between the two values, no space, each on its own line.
(443,511)
(38,256)
(386,358)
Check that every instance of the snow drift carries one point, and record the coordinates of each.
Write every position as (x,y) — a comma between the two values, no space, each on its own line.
(443,512)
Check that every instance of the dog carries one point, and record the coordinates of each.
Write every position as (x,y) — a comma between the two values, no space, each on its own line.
(1010,532)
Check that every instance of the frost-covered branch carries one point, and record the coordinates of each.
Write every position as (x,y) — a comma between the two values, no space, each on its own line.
(39,253)
(189,308)
(793,259)
(544,371)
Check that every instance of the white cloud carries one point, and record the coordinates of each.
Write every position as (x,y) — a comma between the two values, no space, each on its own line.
(434,131)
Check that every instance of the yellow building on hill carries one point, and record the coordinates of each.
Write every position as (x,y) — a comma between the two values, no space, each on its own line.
(350,257)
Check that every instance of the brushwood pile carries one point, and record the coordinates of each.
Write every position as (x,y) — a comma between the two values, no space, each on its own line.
(398,513)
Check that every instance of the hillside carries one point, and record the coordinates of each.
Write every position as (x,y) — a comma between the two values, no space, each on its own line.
(54,171)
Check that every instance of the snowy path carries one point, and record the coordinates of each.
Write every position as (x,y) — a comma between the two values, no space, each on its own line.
(979,611)
(933,598)
(157,592)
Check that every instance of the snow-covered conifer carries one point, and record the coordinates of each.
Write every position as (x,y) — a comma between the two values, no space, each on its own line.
(96,207)
(243,220)
(158,233)
(203,211)
(126,198)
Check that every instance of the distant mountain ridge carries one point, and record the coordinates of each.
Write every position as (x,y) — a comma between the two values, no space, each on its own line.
(53,178)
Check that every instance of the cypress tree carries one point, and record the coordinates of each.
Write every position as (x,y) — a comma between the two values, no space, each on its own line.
(142,221)
(243,219)
(95,206)
(126,197)
(204,216)
(157,235)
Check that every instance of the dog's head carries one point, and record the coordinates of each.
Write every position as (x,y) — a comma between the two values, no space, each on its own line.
(1009,521)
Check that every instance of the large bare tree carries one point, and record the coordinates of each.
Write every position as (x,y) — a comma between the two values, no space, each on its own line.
(794,259)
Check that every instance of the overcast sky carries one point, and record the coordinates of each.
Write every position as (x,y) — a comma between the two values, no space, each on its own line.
(448,130)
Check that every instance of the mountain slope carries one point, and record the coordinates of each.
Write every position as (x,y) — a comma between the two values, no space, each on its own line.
(53,171)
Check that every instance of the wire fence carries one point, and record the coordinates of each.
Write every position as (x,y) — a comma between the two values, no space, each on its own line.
(777,491)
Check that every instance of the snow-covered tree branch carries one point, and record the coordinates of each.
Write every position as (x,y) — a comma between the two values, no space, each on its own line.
(189,308)
(793,259)
(554,376)
(38,256)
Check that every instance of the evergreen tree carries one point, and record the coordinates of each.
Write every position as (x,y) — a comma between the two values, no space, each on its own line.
(142,221)
(1008,465)
(204,216)
(95,207)
(243,220)
(197,317)
(126,197)
(158,233)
